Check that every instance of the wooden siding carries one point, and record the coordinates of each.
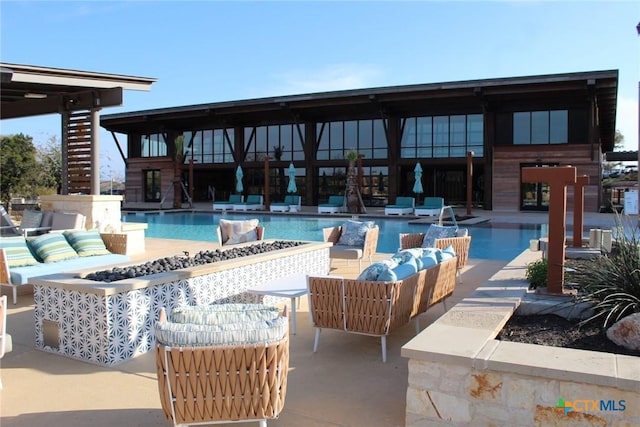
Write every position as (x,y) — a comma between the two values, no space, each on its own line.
(506,167)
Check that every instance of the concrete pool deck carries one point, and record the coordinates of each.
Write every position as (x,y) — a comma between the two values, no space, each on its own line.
(343,384)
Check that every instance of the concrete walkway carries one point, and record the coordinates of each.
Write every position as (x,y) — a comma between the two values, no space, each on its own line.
(344,384)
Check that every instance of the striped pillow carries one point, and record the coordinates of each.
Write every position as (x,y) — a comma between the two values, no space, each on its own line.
(86,242)
(17,252)
(51,247)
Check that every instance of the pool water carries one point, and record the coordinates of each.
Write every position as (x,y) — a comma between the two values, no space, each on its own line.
(488,241)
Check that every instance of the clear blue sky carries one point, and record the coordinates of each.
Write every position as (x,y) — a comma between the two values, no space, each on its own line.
(211,51)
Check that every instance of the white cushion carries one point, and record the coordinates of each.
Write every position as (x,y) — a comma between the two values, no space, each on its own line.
(238,231)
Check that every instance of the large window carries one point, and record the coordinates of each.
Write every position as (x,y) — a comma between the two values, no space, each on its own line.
(152,188)
(209,146)
(279,142)
(367,137)
(541,127)
(153,145)
(375,182)
(442,136)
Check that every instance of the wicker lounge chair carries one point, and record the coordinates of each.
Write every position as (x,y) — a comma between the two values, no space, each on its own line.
(432,206)
(222,383)
(335,204)
(338,251)
(225,205)
(289,200)
(403,206)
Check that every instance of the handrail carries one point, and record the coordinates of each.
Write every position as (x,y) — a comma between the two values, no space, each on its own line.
(451,213)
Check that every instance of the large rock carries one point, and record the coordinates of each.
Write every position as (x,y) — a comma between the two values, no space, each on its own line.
(626,332)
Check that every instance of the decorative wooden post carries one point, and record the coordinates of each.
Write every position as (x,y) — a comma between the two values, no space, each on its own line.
(267,199)
(191,179)
(469,181)
(558,178)
(578,209)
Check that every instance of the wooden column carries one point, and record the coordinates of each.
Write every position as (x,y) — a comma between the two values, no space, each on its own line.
(469,181)
(267,184)
(558,178)
(578,209)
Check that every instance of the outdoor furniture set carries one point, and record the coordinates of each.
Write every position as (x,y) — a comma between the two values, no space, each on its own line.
(38,222)
(403,206)
(335,204)
(291,203)
(236,202)
(431,206)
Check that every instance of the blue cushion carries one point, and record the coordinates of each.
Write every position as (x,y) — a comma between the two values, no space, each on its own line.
(354,232)
(189,334)
(405,270)
(436,231)
(17,252)
(86,242)
(373,272)
(217,314)
(388,275)
(52,247)
(446,253)
(430,257)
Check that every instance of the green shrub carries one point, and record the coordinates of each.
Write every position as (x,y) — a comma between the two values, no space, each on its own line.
(612,282)
(537,273)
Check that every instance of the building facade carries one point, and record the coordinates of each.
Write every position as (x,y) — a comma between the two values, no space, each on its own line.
(508,124)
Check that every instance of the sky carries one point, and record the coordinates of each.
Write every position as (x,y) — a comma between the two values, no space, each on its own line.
(216,51)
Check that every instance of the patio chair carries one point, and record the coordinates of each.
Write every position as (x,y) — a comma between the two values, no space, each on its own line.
(334,205)
(289,200)
(239,231)
(403,205)
(224,363)
(6,344)
(224,205)
(30,224)
(254,202)
(432,206)
(348,248)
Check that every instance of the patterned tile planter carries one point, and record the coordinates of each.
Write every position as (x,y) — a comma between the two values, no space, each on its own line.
(109,323)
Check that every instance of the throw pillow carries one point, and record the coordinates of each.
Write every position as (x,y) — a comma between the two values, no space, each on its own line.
(373,272)
(354,232)
(446,254)
(430,257)
(217,314)
(238,231)
(31,219)
(436,231)
(17,252)
(405,270)
(86,242)
(51,247)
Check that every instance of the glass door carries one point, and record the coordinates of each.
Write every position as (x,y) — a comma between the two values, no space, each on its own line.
(534,196)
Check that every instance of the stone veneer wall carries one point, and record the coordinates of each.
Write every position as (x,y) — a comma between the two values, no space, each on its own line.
(110,329)
(459,375)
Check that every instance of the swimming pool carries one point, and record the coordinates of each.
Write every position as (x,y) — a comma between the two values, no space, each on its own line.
(489,241)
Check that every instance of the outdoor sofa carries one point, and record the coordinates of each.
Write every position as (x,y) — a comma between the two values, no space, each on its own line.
(54,253)
(385,296)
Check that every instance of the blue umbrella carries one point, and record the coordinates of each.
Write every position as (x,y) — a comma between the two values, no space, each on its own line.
(292,188)
(239,175)
(417,186)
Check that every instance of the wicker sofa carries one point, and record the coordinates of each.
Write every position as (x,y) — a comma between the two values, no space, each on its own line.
(377,308)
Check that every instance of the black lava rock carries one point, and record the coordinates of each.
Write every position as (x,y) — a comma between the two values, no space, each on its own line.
(167,264)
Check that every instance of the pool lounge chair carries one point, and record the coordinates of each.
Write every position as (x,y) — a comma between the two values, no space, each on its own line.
(334,205)
(432,206)
(289,200)
(403,205)
(254,202)
(224,205)
(30,224)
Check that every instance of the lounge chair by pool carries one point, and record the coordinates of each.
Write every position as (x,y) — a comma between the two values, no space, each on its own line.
(432,206)
(403,205)
(334,205)
(224,205)
(254,202)
(289,200)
